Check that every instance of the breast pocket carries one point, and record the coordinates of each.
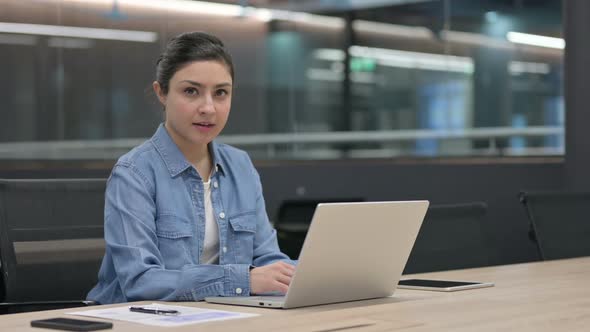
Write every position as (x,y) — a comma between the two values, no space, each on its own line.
(175,240)
(242,232)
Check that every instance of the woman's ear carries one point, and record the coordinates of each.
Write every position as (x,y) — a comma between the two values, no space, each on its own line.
(158,90)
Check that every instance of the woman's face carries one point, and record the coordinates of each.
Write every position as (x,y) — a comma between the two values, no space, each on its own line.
(198,102)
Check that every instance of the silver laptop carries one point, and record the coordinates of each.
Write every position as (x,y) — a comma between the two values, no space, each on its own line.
(352,251)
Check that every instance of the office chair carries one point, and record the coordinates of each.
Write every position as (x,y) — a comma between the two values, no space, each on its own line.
(51,242)
(451,237)
(293,221)
(560,223)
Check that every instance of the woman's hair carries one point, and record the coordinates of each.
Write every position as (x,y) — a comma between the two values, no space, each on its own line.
(186,48)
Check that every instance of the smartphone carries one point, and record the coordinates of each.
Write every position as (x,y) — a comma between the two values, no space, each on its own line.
(69,324)
(441,285)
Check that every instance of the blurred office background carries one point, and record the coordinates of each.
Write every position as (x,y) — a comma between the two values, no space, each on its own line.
(425,78)
(448,100)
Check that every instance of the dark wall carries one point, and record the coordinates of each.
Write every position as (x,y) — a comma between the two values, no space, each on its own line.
(577,81)
(497,184)
(493,181)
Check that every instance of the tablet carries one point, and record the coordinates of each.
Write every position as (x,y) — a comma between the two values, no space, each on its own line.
(441,285)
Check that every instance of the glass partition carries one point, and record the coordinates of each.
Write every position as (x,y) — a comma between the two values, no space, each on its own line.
(314,79)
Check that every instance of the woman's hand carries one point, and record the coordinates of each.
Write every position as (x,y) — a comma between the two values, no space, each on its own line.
(275,277)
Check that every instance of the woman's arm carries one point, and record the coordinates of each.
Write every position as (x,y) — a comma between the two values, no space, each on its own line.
(266,247)
(274,269)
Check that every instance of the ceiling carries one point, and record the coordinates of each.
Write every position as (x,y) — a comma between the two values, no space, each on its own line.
(540,16)
(322,6)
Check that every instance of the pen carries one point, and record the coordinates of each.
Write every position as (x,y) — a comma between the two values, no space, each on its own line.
(152,310)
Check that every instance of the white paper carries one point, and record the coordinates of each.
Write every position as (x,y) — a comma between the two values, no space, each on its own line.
(188,315)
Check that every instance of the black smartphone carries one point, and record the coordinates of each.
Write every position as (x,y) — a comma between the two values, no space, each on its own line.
(69,324)
(441,285)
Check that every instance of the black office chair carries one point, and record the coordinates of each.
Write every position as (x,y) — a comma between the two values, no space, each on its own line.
(451,237)
(560,223)
(293,221)
(51,242)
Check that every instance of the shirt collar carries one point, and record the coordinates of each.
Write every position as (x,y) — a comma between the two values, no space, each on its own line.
(217,162)
(173,157)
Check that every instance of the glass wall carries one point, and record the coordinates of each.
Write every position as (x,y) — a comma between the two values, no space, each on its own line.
(314,79)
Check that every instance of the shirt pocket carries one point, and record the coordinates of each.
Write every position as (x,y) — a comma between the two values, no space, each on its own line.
(175,240)
(242,234)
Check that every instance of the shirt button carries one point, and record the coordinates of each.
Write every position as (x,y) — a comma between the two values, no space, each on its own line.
(238,290)
(224,249)
(215,184)
(221,215)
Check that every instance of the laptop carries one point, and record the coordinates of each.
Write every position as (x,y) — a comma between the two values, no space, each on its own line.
(352,251)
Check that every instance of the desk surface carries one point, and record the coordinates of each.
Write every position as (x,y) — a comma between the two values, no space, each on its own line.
(542,296)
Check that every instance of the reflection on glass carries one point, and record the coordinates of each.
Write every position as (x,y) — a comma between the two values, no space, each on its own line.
(434,78)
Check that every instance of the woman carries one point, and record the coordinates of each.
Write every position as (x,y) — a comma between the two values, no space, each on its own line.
(184,215)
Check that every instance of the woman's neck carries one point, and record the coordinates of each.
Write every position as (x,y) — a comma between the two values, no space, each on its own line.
(197,155)
(201,161)
(204,166)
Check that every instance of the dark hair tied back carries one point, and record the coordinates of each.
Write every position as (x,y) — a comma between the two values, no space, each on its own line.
(186,48)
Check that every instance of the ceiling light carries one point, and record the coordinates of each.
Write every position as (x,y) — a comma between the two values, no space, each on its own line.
(535,40)
(78,32)
(393,29)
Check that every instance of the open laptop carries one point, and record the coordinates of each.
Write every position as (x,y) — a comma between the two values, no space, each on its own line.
(352,251)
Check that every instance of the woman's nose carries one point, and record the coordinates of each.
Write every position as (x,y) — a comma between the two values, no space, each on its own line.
(207,106)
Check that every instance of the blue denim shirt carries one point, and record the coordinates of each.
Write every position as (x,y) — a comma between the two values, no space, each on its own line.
(155,221)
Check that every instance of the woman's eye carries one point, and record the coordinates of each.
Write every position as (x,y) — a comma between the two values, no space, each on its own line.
(221,93)
(191,91)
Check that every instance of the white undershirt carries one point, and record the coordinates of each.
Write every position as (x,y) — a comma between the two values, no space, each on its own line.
(210,253)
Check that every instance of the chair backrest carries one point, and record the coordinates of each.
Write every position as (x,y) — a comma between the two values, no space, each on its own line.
(560,222)
(451,237)
(293,221)
(51,238)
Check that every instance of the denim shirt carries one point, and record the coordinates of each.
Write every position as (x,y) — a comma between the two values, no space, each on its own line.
(155,226)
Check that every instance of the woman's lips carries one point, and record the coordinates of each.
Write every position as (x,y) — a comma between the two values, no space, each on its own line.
(203,126)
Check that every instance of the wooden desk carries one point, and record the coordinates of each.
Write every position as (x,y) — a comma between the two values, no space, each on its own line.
(543,296)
